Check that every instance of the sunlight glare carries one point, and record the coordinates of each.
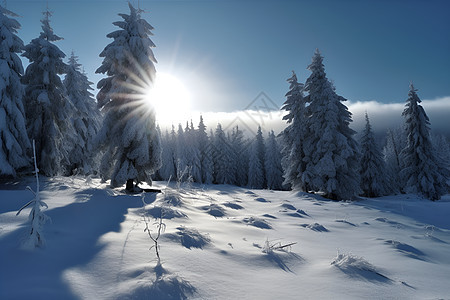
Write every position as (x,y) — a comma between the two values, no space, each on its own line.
(170,99)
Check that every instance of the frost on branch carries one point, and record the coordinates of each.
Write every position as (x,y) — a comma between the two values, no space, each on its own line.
(37,218)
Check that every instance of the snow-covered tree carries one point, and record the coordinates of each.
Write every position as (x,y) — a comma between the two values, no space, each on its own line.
(223,158)
(193,153)
(205,150)
(168,166)
(294,134)
(47,107)
(86,117)
(181,153)
(421,170)
(14,140)
(255,167)
(373,169)
(240,156)
(395,141)
(442,146)
(129,135)
(331,153)
(274,171)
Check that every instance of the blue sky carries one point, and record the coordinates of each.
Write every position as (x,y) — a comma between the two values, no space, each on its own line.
(227,52)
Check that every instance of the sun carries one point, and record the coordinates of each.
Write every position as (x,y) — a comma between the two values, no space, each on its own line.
(170,99)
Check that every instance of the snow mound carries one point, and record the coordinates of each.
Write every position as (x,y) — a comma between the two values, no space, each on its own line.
(315,227)
(257,222)
(166,286)
(259,199)
(288,206)
(189,237)
(165,212)
(214,210)
(233,205)
(172,198)
(355,266)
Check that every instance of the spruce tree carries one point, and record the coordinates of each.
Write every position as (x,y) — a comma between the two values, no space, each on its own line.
(240,156)
(167,169)
(193,153)
(14,140)
(294,134)
(395,142)
(255,167)
(223,158)
(85,120)
(47,107)
(181,154)
(204,144)
(421,171)
(331,153)
(129,135)
(274,171)
(373,168)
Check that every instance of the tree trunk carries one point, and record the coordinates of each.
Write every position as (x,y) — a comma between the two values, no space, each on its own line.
(130,185)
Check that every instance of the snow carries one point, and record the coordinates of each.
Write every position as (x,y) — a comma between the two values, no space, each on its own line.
(393,247)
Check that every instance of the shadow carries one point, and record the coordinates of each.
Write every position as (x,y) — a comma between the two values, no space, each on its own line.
(315,227)
(281,260)
(233,205)
(365,274)
(406,249)
(71,241)
(165,286)
(257,222)
(420,210)
(214,210)
(165,212)
(288,206)
(189,238)
(357,267)
(269,216)
(345,222)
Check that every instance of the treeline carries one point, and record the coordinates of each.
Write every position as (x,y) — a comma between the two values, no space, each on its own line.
(51,102)
(222,157)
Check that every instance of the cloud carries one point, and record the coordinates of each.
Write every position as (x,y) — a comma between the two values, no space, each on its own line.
(382,117)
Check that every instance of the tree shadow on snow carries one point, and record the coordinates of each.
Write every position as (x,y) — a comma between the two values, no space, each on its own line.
(71,240)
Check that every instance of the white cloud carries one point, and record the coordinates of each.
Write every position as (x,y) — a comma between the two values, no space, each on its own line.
(382,117)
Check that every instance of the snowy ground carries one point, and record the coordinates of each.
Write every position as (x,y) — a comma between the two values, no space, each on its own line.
(220,243)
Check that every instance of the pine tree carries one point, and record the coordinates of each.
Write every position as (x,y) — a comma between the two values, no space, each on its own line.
(294,134)
(223,158)
(395,141)
(255,167)
(85,120)
(14,140)
(181,154)
(331,153)
(373,168)
(240,157)
(129,135)
(47,107)
(167,169)
(205,150)
(274,171)
(193,153)
(421,170)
